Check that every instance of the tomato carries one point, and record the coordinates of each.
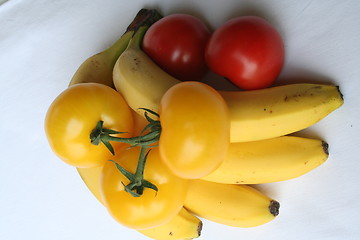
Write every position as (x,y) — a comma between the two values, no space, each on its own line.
(151,208)
(246,50)
(74,114)
(177,44)
(195,129)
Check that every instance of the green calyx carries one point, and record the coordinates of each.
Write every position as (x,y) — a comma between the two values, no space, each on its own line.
(137,182)
(148,138)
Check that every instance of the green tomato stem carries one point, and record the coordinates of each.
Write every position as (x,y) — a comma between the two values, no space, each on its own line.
(137,182)
(139,174)
(143,140)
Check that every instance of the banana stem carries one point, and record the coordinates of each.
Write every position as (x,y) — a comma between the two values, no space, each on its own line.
(144,18)
(118,47)
(137,39)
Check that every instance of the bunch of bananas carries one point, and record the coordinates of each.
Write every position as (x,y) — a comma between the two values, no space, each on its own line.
(260,151)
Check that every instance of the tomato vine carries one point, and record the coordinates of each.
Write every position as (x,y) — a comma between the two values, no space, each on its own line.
(146,141)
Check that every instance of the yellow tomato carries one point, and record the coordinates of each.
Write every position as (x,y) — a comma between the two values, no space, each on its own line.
(195,129)
(75,113)
(152,208)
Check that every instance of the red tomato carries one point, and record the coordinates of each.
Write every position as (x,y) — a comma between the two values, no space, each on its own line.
(177,44)
(246,50)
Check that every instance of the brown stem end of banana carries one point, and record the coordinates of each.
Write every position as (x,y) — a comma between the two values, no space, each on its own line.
(199,228)
(274,207)
(341,95)
(144,17)
(325,146)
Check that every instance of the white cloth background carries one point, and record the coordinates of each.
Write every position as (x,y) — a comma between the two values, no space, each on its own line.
(42,43)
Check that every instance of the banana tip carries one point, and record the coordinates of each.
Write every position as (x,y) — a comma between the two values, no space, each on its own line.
(274,207)
(325,146)
(341,95)
(199,229)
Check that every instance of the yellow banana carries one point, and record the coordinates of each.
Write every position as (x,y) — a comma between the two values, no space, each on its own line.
(184,226)
(255,115)
(91,177)
(270,160)
(99,67)
(141,82)
(277,111)
(230,204)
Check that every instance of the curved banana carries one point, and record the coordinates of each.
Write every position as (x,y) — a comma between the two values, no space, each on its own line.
(184,226)
(255,115)
(270,160)
(272,112)
(230,204)
(99,67)
(141,82)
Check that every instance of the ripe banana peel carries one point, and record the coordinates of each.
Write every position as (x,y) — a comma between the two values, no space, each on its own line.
(270,160)
(230,204)
(98,68)
(255,115)
(140,80)
(184,226)
(277,111)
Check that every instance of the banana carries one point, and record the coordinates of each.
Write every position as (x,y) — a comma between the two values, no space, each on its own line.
(141,82)
(99,67)
(184,226)
(269,160)
(230,204)
(255,115)
(272,112)
(91,177)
